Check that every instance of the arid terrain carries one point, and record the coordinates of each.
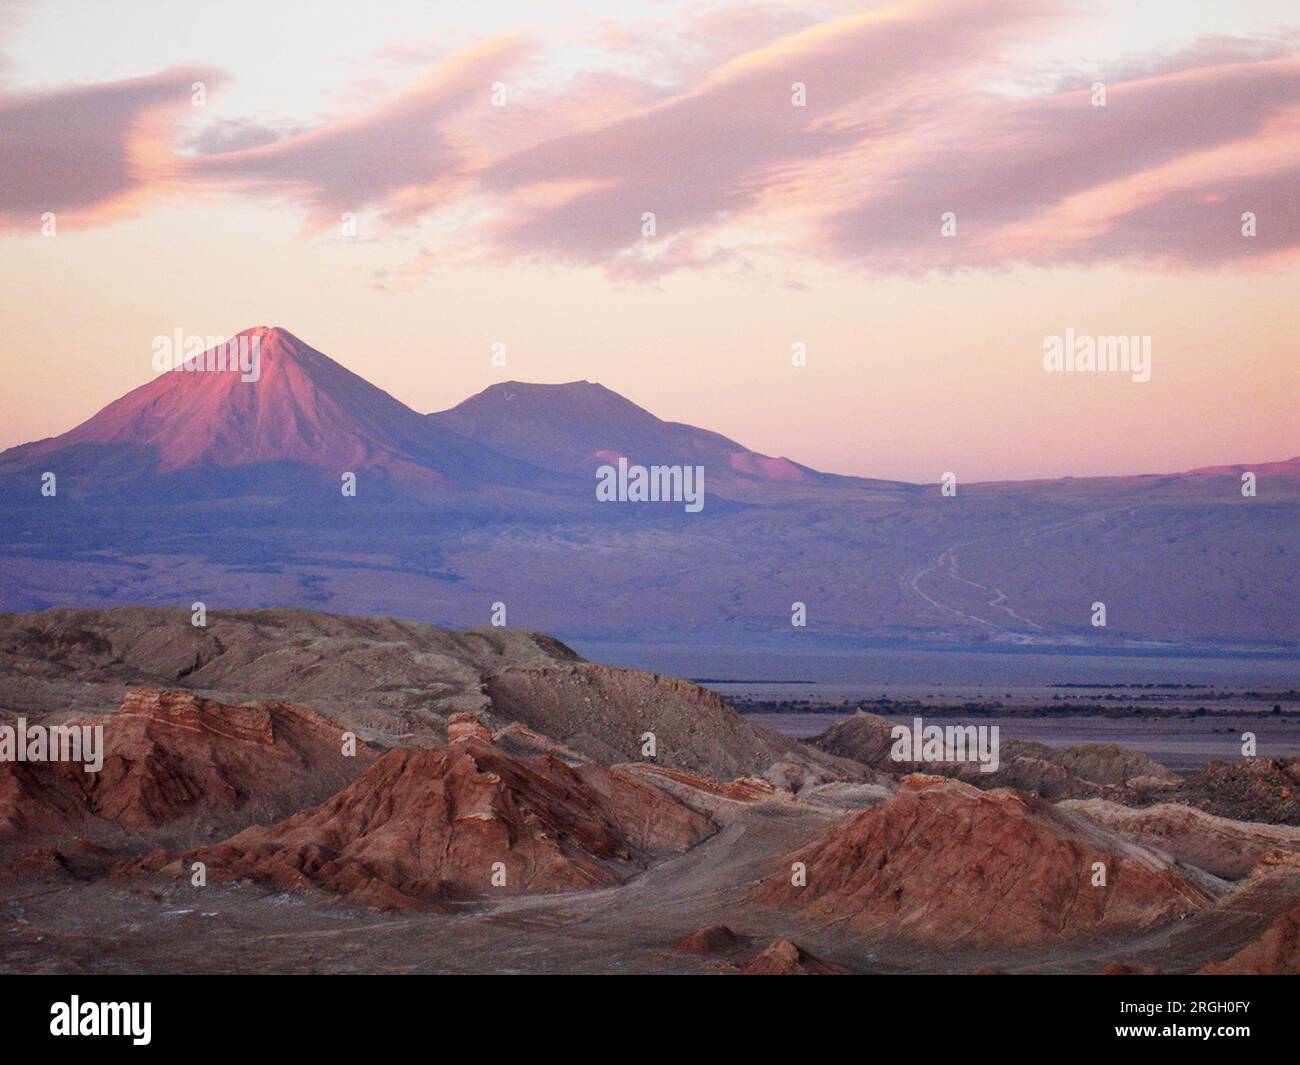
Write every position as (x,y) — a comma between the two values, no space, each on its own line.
(284,791)
(732,488)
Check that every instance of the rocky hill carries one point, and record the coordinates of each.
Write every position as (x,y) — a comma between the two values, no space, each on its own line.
(393,682)
(943,862)
(423,828)
(1080,771)
(179,767)
(1275,953)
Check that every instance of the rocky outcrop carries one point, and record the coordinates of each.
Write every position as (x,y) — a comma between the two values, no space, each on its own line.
(1255,789)
(784,958)
(863,737)
(1263,790)
(462,727)
(398,682)
(1227,849)
(943,862)
(715,940)
(1275,953)
(424,827)
(78,859)
(370,672)
(650,818)
(743,789)
(180,767)
(1082,771)
(1107,764)
(606,713)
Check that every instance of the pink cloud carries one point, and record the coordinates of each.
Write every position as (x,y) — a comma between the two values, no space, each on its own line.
(91,152)
(897,130)
(1007,169)
(395,155)
(708,154)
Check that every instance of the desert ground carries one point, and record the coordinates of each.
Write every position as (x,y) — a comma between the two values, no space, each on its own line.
(497,812)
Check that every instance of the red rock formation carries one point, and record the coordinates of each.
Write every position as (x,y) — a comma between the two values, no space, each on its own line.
(1224,848)
(424,826)
(39,801)
(1275,953)
(784,958)
(742,789)
(652,820)
(716,939)
(171,752)
(78,859)
(177,762)
(462,727)
(943,862)
(1083,771)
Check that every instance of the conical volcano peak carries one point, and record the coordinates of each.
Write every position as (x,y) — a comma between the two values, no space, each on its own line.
(277,334)
(269,330)
(265,396)
(275,341)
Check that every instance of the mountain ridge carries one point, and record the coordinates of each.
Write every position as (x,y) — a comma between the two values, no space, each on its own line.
(306,408)
(301,407)
(574,427)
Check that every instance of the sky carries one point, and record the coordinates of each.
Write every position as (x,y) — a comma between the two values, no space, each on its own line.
(917,196)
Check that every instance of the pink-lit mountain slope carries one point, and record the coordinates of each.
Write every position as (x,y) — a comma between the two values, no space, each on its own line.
(302,408)
(574,428)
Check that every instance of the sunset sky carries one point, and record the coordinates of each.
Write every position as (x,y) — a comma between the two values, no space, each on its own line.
(775,224)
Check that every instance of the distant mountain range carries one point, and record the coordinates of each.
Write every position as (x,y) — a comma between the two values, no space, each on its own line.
(203,486)
(304,409)
(571,429)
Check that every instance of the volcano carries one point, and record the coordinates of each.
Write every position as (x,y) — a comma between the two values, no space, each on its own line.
(301,409)
(573,429)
